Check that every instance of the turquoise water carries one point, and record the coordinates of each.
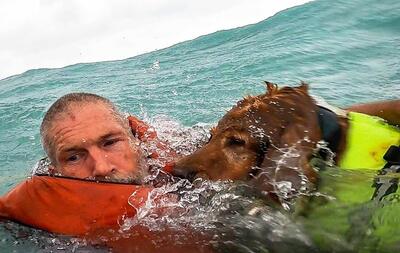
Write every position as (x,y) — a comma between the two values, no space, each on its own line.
(347,50)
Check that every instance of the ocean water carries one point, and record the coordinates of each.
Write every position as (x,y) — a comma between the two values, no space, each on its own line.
(347,50)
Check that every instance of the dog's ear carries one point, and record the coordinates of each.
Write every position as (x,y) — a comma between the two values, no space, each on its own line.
(293,152)
(272,88)
(285,172)
(303,87)
(291,146)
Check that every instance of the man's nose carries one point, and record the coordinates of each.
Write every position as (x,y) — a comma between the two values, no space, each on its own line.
(101,164)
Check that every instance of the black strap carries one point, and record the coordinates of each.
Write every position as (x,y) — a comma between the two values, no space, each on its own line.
(330,128)
(392,155)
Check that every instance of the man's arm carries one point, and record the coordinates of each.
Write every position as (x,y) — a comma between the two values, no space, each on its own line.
(388,110)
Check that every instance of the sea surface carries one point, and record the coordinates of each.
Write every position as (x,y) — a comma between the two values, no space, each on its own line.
(348,51)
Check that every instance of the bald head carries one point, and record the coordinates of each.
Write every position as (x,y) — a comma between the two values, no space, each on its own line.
(64,107)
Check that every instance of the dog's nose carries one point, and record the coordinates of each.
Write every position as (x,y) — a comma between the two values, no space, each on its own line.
(184,172)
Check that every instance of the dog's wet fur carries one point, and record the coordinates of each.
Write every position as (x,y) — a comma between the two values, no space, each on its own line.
(266,139)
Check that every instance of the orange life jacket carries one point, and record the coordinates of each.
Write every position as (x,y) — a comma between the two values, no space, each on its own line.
(93,211)
(70,206)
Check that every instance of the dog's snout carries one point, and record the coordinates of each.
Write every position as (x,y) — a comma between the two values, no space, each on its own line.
(184,172)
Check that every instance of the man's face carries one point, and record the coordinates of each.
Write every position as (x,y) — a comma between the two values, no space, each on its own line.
(89,142)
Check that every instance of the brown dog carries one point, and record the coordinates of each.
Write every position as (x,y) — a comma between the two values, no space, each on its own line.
(268,138)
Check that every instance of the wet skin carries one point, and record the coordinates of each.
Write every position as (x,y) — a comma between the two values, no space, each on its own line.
(90,143)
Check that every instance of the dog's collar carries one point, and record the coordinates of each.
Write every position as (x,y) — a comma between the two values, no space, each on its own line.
(330,128)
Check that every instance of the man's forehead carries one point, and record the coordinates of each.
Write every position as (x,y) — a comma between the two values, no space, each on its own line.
(79,131)
(94,116)
(85,110)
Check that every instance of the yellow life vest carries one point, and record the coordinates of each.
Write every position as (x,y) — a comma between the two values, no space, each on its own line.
(368,138)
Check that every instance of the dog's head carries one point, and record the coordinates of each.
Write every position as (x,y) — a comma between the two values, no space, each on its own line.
(253,139)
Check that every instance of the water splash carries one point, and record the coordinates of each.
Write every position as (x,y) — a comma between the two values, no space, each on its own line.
(226,211)
(184,140)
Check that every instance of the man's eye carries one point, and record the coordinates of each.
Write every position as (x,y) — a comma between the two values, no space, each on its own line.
(73,158)
(110,142)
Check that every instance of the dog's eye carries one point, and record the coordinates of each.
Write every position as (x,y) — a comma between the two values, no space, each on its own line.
(233,141)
